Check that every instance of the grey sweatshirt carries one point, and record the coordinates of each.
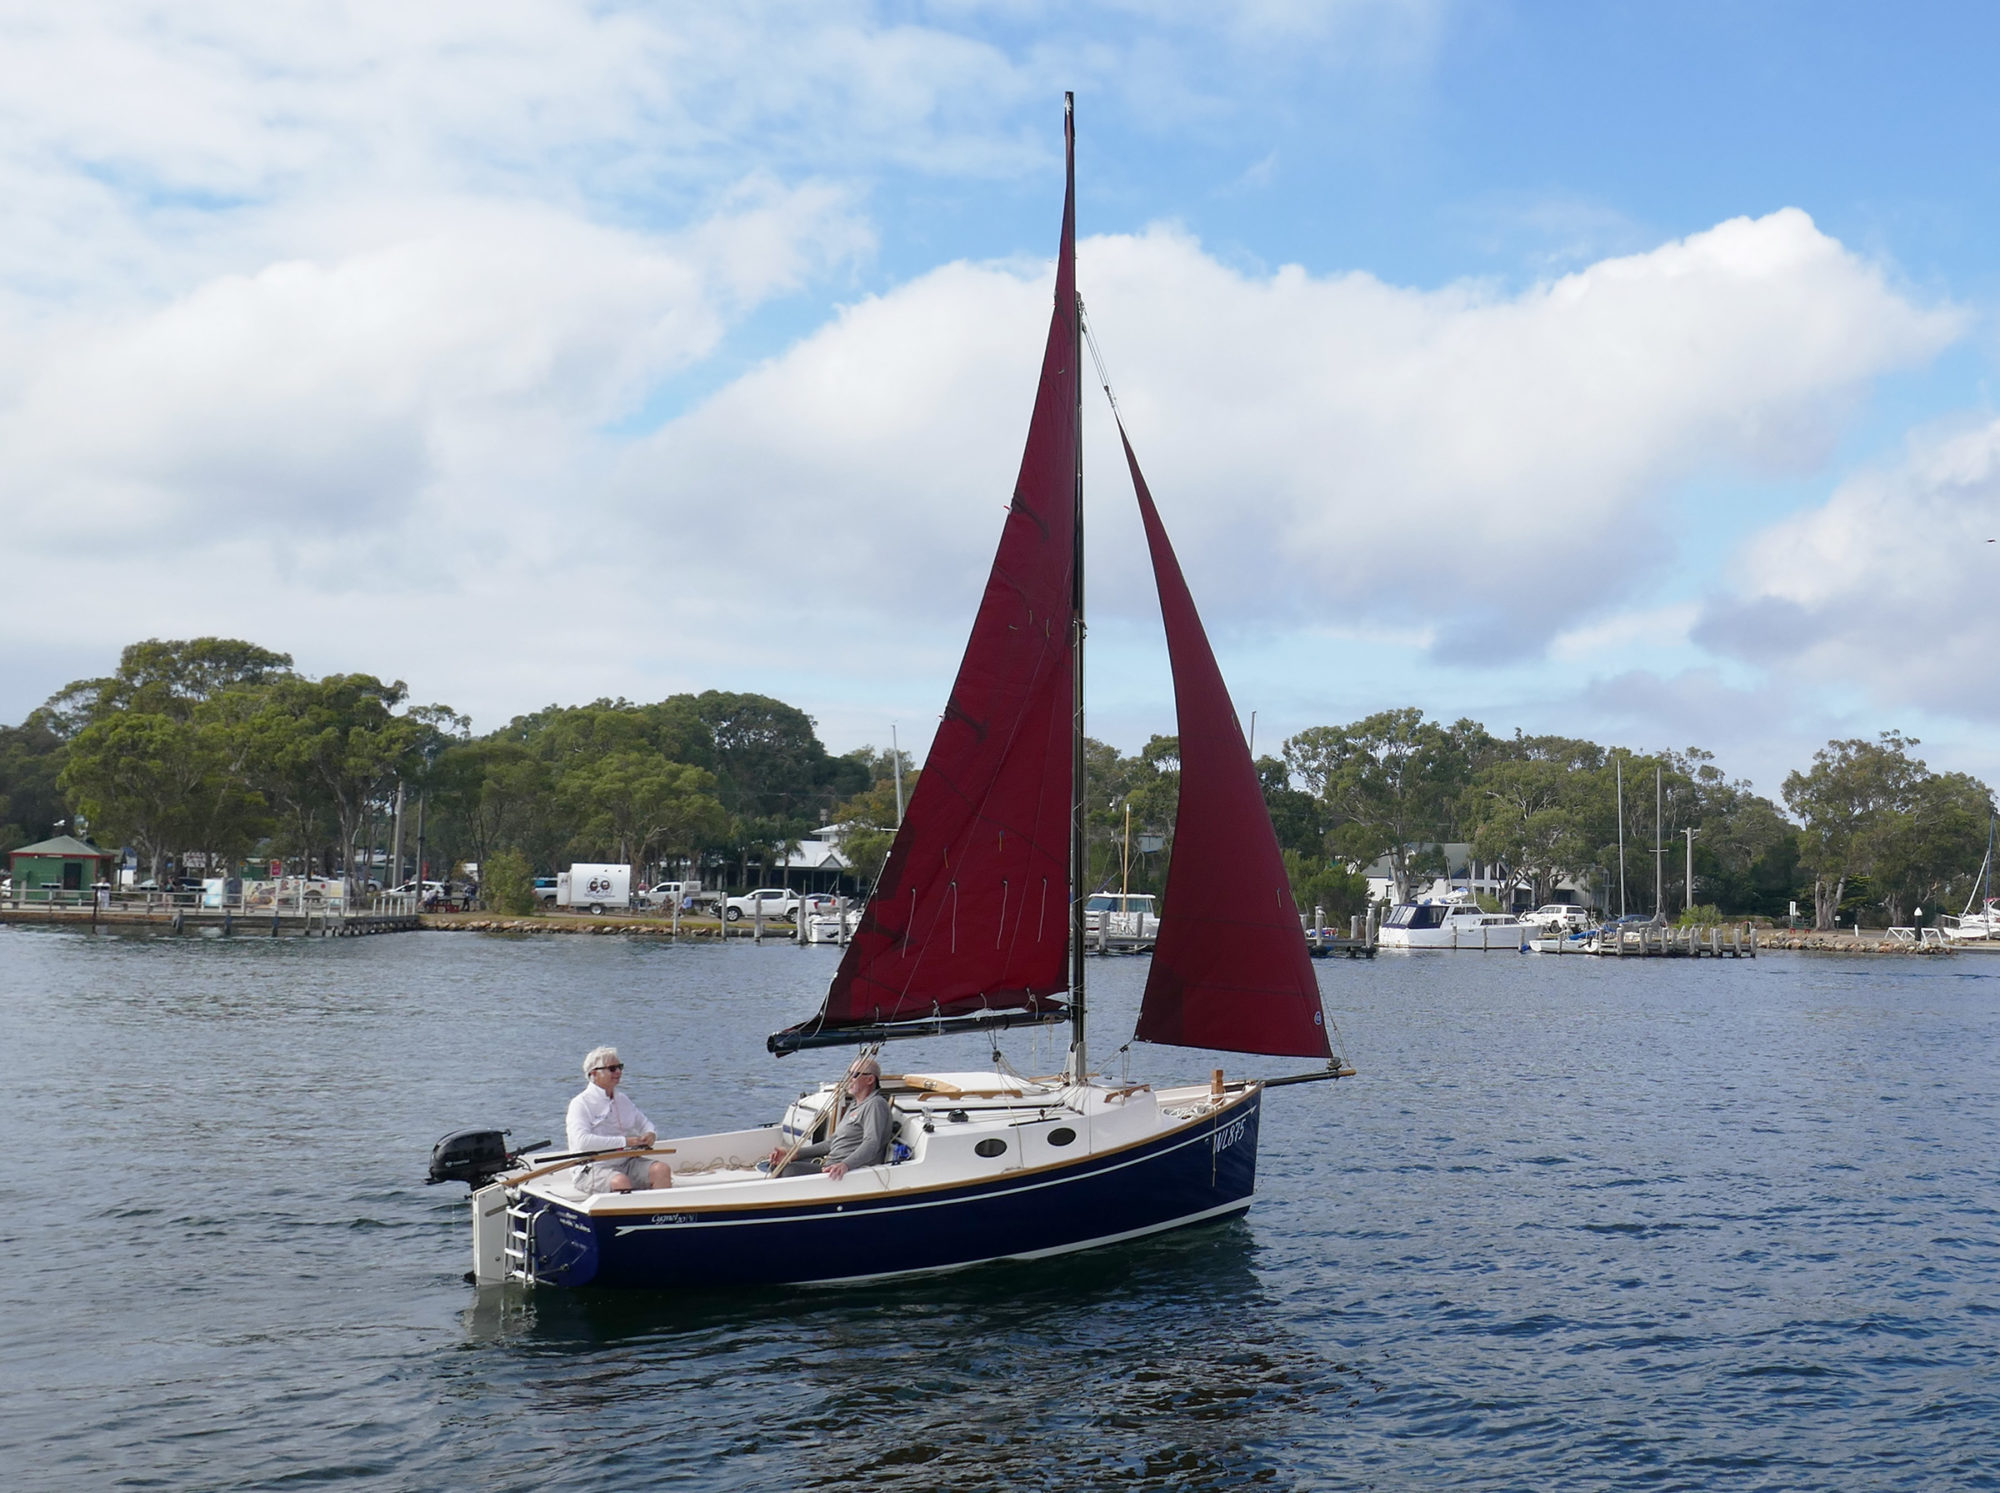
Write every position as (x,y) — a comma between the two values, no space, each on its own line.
(860,1139)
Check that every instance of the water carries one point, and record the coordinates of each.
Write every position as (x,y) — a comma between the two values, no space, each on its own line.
(1577,1224)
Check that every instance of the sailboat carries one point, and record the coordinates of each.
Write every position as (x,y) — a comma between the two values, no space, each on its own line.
(977,925)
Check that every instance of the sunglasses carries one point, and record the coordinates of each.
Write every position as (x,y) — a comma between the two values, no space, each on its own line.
(609,1068)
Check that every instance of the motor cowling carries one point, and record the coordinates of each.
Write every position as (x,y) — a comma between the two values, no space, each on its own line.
(474,1157)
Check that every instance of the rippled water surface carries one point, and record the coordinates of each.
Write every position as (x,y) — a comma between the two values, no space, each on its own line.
(1576,1224)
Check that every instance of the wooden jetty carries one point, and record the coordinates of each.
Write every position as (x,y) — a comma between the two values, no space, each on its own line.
(1358,944)
(186,913)
(1650,941)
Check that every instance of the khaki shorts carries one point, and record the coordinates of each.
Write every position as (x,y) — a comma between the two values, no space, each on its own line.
(596,1176)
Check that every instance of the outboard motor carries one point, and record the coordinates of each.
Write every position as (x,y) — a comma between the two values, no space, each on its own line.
(474,1157)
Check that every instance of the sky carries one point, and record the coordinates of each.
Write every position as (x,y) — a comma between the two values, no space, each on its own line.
(1612,370)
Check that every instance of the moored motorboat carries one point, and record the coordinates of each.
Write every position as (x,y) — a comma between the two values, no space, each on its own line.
(1455,921)
(977,924)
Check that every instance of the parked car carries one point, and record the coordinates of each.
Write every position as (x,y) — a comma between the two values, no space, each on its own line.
(771,902)
(1561,917)
(545,890)
(1629,920)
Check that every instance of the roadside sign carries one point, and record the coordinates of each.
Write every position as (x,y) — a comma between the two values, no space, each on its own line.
(277,870)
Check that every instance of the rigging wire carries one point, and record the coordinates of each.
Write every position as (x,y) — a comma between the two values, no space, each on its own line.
(1097,361)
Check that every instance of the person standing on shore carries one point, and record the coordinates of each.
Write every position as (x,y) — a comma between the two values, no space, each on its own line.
(602,1119)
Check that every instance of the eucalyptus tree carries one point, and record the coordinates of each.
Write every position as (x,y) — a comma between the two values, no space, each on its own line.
(1851,788)
(1392,783)
(150,758)
(1537,810)
(321,750)
(635,804)
(31,798)
(1931,848)
(163,786)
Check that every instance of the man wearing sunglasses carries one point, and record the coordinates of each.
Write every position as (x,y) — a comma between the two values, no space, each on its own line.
(602,1119)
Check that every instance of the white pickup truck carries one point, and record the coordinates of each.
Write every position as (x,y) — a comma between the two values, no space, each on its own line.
(770,902)
(667,895)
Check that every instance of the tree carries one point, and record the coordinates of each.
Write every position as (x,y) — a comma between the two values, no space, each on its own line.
(163,785)
(1932,846)
(770,763)
(1528,817)
(1390,783)
(1852,785)
(1335,891)
(637,802)
(30,797)
(1297,817)
(322,749)
(507,884)
(868,824)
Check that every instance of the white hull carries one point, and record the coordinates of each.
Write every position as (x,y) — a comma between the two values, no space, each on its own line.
(1502,940)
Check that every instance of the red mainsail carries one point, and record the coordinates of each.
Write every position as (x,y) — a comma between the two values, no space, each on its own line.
(973,908)
(1230,970)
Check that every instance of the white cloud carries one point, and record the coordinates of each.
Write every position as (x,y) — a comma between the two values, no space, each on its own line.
(1891,586)
(328,325)
(335,393)
(1494,467)
(1651,628)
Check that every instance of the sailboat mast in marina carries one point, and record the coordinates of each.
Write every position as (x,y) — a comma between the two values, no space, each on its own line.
(977,924)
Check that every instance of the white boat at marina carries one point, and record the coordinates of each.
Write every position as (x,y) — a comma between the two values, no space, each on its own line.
(1124,916)
(833,927)
(1973,927)
(1581,941)
(1454,921)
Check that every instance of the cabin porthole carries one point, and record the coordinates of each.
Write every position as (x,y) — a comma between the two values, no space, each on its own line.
(991,1146)
(1062,1135)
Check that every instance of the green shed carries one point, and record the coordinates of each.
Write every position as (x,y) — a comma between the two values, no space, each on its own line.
(64,864)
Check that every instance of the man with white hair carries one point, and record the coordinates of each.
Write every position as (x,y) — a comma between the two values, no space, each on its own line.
(602,1119)
(860,1139)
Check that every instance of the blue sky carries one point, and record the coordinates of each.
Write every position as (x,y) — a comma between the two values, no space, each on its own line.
(1615,370)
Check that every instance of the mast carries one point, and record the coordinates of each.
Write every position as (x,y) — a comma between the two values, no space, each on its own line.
(1079,863)
(1659,847)
(1618,766)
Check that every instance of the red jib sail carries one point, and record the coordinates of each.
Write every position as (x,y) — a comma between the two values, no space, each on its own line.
(972,910)
(1230,970)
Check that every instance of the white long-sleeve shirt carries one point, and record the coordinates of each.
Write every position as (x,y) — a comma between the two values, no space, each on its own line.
(599,1121)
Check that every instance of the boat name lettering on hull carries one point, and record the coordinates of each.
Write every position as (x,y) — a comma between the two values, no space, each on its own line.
(1228,1135)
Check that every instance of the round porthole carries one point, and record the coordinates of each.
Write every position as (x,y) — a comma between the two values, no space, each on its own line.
(993,1146)
(1062,1135)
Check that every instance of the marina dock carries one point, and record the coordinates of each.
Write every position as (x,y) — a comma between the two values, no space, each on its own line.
(186,913)
(1651,942)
